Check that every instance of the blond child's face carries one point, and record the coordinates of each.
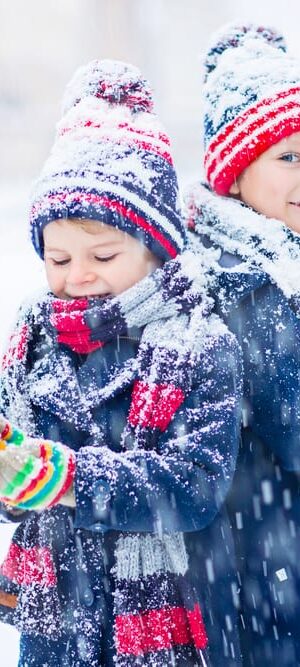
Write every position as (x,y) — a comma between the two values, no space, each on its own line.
(84,258)
(271,184)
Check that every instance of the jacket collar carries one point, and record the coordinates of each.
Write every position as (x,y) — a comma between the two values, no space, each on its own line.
(265,250)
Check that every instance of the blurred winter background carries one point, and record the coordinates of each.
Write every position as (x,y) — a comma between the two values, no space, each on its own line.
(41,44)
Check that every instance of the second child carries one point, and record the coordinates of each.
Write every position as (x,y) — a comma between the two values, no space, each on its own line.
(247,212)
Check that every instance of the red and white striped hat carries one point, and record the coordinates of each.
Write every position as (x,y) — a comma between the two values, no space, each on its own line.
(251,100)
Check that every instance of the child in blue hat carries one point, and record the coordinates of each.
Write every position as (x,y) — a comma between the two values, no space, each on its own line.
(121,400)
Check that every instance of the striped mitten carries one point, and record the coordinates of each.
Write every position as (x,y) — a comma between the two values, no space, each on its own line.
(34,473)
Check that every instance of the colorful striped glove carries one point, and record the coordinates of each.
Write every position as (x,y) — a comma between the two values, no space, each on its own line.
(34,473)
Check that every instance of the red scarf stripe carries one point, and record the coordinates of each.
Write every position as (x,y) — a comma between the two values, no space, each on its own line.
(79,342)
(73,331)
(72,323)
(29,566)
(59,306)
(160,629)
(154,405)
(17,347)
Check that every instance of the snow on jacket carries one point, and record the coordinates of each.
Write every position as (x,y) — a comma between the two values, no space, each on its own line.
(256,262)
(65,583)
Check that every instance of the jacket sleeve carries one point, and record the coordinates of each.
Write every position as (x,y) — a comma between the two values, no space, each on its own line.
(269,334)
(182,482)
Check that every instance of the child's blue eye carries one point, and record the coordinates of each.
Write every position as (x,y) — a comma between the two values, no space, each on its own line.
(290,157)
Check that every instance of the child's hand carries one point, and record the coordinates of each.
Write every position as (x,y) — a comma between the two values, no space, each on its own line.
(34,473)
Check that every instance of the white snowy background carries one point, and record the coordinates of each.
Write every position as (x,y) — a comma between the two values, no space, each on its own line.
(41,44)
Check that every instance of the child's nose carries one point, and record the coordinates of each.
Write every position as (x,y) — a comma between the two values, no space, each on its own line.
(79,273)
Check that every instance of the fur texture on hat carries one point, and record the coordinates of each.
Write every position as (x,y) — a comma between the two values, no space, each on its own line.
(111,161)
(251,99)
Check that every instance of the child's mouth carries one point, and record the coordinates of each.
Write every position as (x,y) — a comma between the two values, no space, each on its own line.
(70,297)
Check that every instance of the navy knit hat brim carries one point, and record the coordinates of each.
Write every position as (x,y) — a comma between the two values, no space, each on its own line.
(134,215)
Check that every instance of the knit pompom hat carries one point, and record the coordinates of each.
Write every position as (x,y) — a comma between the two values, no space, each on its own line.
(111,162)
(251,100)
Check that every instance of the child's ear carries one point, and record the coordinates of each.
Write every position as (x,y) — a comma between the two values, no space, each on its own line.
(234,188)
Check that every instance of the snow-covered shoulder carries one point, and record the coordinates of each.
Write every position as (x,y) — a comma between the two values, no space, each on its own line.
(264,244)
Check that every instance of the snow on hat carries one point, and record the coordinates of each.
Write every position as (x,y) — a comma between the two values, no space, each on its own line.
(251,100)
(111,161)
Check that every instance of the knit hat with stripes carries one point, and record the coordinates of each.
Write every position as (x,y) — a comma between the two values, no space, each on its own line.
(111,162)
(251,100)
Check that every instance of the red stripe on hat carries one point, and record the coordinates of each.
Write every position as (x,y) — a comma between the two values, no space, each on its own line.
(29,566)
(250,152)
(146,133)
(159,629)
(246,131)
(267,137)
(142,143)
(251,110)
(128,213)
(112,204)
(252,134)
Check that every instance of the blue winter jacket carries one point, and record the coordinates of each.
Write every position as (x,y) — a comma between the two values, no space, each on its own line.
(210,416)
(255,264)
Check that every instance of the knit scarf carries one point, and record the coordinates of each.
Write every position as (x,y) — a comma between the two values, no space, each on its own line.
(158,619)
(264,244)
